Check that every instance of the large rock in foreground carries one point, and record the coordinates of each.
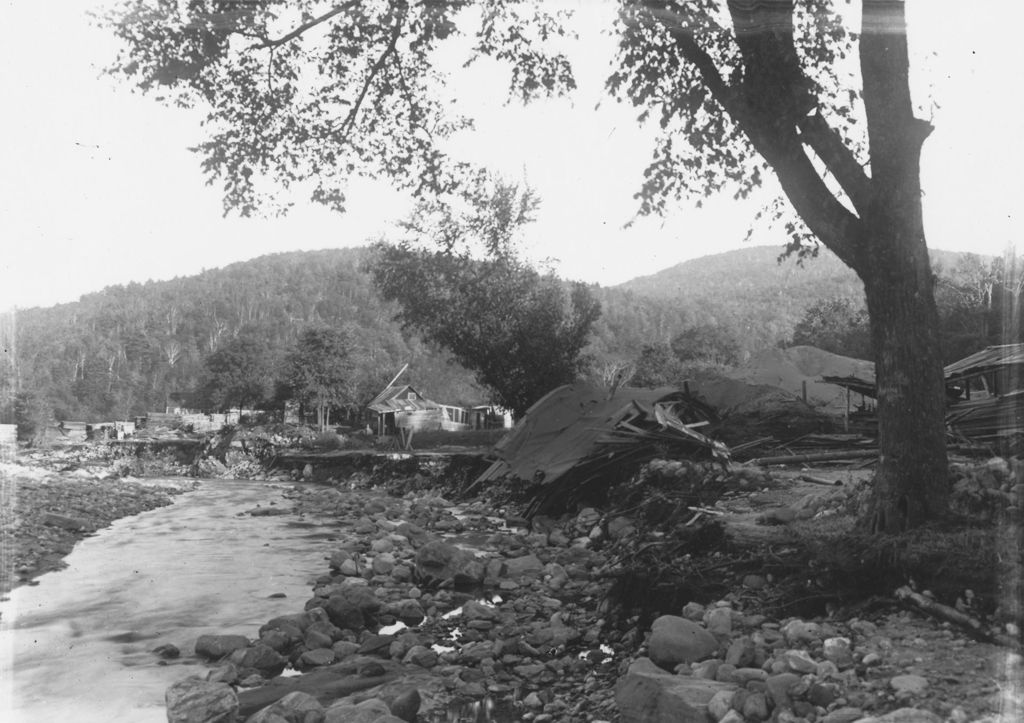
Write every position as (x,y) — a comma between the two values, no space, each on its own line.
(647,694)
(197,701)
(677,640)
(439,562)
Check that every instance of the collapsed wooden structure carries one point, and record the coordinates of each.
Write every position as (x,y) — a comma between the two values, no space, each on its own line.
(575,441)
(984,391)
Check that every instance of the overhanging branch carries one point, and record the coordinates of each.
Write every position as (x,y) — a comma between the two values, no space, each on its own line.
(837,157)
(301,29)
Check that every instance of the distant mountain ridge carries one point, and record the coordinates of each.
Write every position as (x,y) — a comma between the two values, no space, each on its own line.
(123,350)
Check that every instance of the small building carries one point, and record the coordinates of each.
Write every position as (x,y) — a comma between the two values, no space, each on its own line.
(489,416)
(402,407)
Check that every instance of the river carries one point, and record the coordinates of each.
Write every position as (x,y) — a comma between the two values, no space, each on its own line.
(78,645)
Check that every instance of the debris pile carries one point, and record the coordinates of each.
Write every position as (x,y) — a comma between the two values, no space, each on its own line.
(578,439)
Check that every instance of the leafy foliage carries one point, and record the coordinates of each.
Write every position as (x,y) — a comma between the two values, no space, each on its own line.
(298,93)
(240,374)
(836,325)
(520,330)
(318,370)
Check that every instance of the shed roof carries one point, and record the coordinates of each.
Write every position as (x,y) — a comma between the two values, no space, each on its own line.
(988,359)
(391,399)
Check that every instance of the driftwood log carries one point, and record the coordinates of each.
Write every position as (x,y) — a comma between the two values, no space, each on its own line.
(973,626)
(816,457)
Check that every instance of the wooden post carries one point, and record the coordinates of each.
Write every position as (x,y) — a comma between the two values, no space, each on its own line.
(804,385)
(846,419)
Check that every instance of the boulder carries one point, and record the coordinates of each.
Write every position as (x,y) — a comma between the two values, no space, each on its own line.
(677,640)
(439,562)
(260,657)
(909,684)
(373,710)
(297,707)
(215,647)
(405,705)
(517,567)
(198,701)
(647,694)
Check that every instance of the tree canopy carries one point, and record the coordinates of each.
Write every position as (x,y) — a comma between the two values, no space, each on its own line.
(319,371)
(521,331)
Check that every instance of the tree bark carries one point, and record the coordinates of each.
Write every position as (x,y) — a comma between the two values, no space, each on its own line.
(911,486)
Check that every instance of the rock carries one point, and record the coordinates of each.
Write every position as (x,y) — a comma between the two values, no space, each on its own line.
(693,611)
(405,705)
(167,651)
(839,651)
(417,536)
(719,622)
(707,669)
(742,676)
(422,656)
(198,701)
(409,611)
(317,657)
(349,568)
(223,673)
(476,610)
(345,614)
(720,704)
(754,582)
(373,710)
(296,707)
(260,657)
(677,640)
(439,562)
(517,567)
(741,652)
(797,632)
(846,714)
(904,715)
(344,648)
(909,684)
(798,661)
(647,694)
(732,717)
(619,527)
(755,707)
(823,694)
(215,647)
(779,686)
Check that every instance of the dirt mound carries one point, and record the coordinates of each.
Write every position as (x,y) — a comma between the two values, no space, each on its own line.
(788,369)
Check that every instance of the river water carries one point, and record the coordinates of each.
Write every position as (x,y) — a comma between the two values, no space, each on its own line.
(78,646)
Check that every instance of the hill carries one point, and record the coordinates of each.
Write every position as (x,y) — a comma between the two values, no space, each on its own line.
(130,349)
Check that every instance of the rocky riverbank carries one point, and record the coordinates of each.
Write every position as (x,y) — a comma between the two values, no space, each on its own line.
(430,611)
(43,514)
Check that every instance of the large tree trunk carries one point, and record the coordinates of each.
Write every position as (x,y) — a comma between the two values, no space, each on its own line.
(911,486)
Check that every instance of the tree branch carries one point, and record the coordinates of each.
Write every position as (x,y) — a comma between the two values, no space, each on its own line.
(893,131)
(780,146)
(837,157)
(288,37)
(382,59)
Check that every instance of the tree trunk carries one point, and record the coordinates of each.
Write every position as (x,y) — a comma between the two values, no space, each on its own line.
(911,485)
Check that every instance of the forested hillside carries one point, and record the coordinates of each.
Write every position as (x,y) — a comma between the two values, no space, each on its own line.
(130,349)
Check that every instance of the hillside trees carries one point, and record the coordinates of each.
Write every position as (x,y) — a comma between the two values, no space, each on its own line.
(240,374)
(318,371)
(739,88)
(837,325)
(470,292)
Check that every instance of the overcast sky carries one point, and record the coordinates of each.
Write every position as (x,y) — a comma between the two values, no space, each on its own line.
(97,186)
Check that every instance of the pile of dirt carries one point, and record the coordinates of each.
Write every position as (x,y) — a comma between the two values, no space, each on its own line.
(789,369)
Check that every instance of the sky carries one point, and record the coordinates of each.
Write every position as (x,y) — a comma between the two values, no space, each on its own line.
(98,187)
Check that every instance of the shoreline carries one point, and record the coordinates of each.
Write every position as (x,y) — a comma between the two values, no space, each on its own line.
(44,514)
